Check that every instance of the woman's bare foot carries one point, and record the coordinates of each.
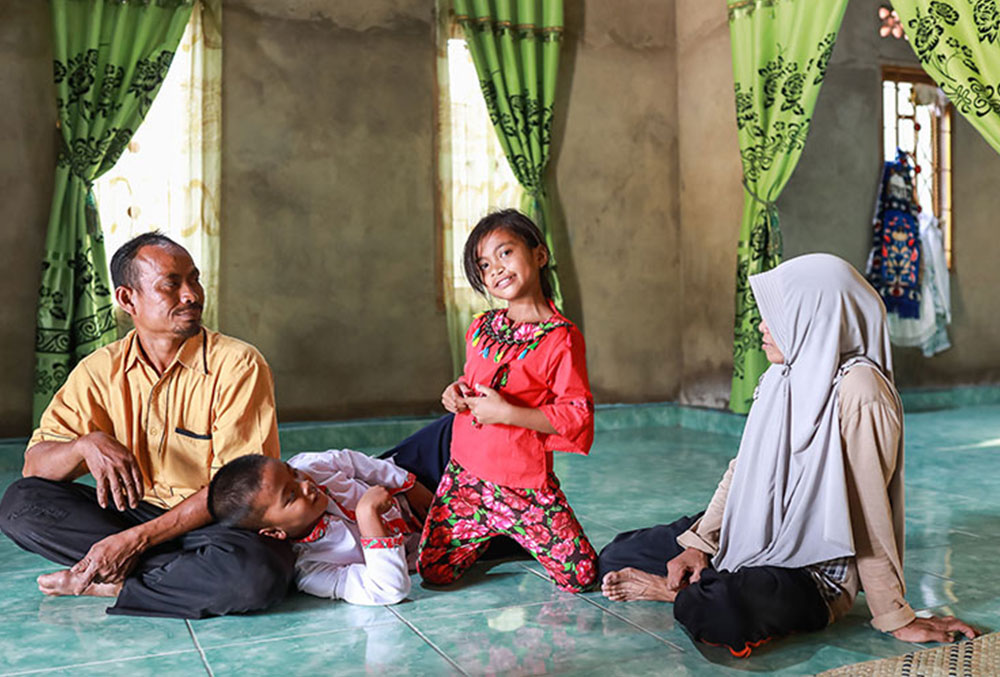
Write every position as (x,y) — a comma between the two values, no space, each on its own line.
(630,585)
(65,583)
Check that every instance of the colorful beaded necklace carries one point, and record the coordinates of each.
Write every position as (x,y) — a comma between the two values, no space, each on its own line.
(495,331)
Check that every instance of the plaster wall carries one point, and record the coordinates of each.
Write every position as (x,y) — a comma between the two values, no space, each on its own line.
(617,175)
(328,249)
(711,201)
(27,162)
(328,245)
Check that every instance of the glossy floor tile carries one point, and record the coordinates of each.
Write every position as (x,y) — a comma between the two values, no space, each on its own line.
(506,618)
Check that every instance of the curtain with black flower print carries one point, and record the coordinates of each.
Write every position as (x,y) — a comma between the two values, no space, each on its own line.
(958,44)
(515,48)
(110,58)
(781,49)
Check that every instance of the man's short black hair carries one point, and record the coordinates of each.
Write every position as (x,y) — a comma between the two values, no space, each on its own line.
(518,225)
(233,490)
(123,273)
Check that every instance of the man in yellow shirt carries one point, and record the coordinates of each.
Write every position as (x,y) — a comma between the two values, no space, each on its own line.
(152,417)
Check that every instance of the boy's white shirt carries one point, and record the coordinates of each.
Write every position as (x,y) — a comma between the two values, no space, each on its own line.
(336,565)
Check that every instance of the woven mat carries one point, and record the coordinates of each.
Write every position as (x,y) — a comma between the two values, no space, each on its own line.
(979,657)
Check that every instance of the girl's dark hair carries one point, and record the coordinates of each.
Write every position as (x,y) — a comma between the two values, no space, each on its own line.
(517,224)
(233,490)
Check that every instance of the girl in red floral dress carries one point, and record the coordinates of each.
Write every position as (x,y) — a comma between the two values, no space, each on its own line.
(523,395)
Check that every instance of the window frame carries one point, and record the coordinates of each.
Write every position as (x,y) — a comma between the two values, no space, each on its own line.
(942,130)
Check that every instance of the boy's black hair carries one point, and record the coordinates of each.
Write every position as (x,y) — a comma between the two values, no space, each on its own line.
(123,272)
(233,490)
(517,224)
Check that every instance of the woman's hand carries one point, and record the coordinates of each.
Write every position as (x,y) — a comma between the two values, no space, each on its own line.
(934,629)
(685,569)
(490,407)
(453,397)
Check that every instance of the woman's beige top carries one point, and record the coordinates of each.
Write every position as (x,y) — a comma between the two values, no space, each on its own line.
(871,426)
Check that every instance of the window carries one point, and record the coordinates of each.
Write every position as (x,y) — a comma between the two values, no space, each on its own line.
(480,178)
(917,119)
(474,176)
(168,178)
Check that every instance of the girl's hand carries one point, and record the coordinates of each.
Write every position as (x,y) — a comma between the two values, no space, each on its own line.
(453,397)
(489,407)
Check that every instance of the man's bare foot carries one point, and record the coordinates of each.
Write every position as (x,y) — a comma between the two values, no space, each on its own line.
(65,583)
(630,585)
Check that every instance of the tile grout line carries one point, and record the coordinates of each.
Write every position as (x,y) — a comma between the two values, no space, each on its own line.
(594,520)
(197,645)
(613,613)
(38,671)
(281,638)
(426,639)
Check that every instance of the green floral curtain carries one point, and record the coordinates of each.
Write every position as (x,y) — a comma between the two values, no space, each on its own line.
(110,58)
(517,59)
(958,44)
(781,49)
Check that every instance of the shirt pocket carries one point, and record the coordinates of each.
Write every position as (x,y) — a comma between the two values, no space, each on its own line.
(189,456)
(190,434)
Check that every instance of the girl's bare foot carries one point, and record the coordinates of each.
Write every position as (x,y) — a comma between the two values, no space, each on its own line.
(65,583)
(630,585)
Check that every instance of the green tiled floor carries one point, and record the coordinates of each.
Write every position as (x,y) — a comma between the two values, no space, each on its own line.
(506,618)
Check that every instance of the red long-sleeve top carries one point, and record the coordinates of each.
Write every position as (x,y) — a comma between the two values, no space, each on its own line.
(538,365)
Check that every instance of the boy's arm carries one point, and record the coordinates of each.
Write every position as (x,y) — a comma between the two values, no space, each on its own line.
(382,579)
(371,471)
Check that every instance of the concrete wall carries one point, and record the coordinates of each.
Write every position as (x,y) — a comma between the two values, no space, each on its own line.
(617,177)
(328,250)
(328,166)
(27,163)
(711,201)
(828,203)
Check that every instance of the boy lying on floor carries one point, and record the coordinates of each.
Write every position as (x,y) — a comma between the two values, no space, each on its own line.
(354,521)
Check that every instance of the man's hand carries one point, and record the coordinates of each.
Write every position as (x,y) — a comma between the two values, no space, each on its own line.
(453,397)
(685,569)
(377,499)
(114,468)
(420,498)
(934,629)
(490,407)
(108,561)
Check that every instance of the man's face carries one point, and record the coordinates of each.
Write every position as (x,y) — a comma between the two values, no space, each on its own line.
(168,298)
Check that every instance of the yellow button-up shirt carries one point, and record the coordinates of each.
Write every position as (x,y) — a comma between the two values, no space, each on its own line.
(214,402)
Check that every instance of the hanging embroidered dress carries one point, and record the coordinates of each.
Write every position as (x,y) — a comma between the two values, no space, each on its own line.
(894,263)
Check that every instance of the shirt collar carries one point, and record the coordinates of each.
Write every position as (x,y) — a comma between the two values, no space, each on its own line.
(192,354)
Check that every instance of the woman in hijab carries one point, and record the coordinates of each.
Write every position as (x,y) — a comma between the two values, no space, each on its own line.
(810,511)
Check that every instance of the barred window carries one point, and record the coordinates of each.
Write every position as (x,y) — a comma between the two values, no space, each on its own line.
(917,119)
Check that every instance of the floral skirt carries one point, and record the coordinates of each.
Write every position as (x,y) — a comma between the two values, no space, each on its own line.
(467,512)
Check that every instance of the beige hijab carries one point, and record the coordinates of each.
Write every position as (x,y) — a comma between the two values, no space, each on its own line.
(787,505)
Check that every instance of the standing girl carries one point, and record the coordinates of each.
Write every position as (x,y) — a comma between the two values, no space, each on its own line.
(524,394)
